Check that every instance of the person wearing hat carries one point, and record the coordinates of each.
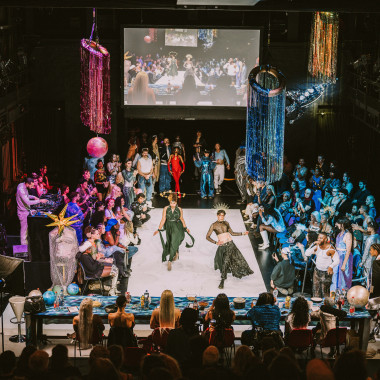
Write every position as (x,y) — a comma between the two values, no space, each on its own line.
(207,167)
(283,274)
(95,268)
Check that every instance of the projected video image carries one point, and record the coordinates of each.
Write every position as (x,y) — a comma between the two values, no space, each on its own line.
(192,67)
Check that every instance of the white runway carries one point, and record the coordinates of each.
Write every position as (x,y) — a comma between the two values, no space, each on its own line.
(194,272)
(178,80)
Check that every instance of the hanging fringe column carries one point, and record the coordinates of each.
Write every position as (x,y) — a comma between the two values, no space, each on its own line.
(95,96)
(324,46)
(265,124)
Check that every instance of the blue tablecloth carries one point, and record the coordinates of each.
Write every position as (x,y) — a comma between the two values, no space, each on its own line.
(180,302)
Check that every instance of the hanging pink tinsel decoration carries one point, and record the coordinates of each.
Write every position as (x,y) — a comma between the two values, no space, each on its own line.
(95,99)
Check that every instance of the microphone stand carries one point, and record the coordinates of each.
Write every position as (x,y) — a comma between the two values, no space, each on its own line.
(302,294)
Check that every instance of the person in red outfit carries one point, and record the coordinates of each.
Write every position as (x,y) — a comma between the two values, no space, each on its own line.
(176,169)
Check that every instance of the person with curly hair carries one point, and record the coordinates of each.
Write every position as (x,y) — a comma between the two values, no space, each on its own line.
(299,317)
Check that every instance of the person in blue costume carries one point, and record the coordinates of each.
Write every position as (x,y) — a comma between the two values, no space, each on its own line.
(207,167)
(74,209)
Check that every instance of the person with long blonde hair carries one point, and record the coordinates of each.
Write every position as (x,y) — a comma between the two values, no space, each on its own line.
(87,326)
(140,93)
(166,315)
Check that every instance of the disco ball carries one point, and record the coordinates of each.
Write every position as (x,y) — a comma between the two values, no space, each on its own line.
(147,39)
(73,289)
(358,296)
(97,147)
(35,293)
(57,289)
(49,297)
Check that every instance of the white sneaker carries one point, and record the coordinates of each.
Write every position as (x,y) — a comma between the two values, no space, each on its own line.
(263,247)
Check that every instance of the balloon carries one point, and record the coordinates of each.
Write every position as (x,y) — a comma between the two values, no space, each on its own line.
(57,289)
(49,297)
(97,147)
(35,293)
(73,289)
(358,296)
(147,39)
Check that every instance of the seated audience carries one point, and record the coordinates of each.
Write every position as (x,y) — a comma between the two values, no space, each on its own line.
(166,315)
(283,274)
(299,317)
(7,365)
(265,313)
(97,269)
(39,364)
(220,312)
(271,222)
(117,359)
(88,327)
(361,195)
(60,368)
(351,365)
(318,369)
(178,343)
(140,209)
(244,358)
(23,369)
(122,323)
(103,369)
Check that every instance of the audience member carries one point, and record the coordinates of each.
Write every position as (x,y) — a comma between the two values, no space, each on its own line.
(117,359)
(283,274)
(243,360)
(7,364)
(299,317)
(178,343)
(60,368)
(166,315)
(38,364)
(351,365)
(88,326)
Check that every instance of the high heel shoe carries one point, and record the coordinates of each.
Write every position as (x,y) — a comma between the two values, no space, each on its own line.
(169,265)
(221,285)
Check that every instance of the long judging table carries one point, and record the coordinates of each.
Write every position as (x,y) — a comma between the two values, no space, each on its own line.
(359,320)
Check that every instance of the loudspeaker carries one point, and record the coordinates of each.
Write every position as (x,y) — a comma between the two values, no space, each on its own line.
(37,275)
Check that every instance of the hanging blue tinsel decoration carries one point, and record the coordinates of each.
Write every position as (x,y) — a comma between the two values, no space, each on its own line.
(265,124)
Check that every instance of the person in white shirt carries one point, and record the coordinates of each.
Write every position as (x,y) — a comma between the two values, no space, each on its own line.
(24,201)
(326,260)
(145,170)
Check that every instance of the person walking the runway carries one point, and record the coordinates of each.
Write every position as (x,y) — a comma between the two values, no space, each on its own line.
(165,153)
(173,223)
(228,258)
(241,174)
(221,158)
(175,169)
(207,181)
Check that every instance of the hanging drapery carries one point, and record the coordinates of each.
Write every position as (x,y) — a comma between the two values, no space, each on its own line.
(324,46)
(265,124)
(95,99)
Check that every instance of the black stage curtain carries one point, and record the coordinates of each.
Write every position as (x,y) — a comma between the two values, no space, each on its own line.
(38,238)
(12,271)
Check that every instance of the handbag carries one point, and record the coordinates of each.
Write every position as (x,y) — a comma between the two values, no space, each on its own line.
(34,305)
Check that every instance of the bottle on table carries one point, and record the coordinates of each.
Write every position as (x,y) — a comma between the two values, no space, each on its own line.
(62,299)
(142,301)
(146,299)
(128,297)
(56,301)
(275,295)
(352,306)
